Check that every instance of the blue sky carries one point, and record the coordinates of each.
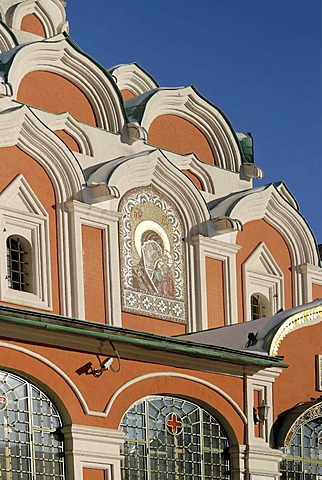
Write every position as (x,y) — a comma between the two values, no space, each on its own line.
(257,60)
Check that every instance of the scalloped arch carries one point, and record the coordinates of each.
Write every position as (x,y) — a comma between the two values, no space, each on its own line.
(271,206)
(190,105)
(153,168)
(51,14)
(134,78)
(7,38)
(61,57)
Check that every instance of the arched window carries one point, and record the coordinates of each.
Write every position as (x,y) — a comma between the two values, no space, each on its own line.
(31,446)
(258,306)
(172,439)
(19,264)
(303,447)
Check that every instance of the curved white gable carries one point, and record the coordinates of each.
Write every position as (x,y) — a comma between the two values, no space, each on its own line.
(58,55)
(7,39)
(51,14)
(133,78)
(188,104)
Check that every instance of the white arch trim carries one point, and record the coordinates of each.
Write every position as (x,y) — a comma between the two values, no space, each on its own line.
(133,78)
(59,55)
(7,39)
(190,105)
(51,14)
(56,369)
(183,376)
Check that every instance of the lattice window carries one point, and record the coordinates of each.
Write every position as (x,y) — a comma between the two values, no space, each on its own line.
(304,454)
(19,263)
(31,446)
(258,306)
(172,439)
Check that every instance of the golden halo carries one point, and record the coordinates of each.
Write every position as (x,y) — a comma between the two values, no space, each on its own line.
(150,225)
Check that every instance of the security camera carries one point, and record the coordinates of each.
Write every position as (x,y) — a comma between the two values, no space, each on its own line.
(105,365)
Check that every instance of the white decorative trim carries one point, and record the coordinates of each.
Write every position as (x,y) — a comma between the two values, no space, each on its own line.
(52,15)
(270,205)
(191,378)
(22,128)
(59,56)
(311,275)
(318,373)
(7,40)
(188,104)
(133,78)
(261,274)
(65,121)
(93,447)
(226,253)
(22,214)
(83,214)
(301,319)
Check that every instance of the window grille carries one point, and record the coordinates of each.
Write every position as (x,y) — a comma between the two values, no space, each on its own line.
(304,455)
(31,446)
(18,263)
(258,306)
(172,439)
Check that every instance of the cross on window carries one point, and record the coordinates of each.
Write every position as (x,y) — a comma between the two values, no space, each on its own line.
(174,424)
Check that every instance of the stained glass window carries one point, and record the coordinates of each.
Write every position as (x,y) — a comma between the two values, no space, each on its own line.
(304,454)
(31,446)
(172,439)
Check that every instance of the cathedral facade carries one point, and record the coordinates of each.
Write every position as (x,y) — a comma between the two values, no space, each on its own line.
(160,317)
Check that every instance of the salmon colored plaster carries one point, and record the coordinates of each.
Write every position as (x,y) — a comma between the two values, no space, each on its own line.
(93,474)
(215,293)
(126,94)
(178,135)
(94,278)
(31,23)
(53,93)
(316,291)
(298,382)
(252,235)
(195,180)
(152,325)
(14,161)
(69,140)
(98,392)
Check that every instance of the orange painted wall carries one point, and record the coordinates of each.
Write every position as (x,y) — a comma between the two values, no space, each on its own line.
(152,325)
(93,474)
(215,293)
(193,178)
(126,94)
(69,140)
(178,135)
(94,281)
(298,382)
(316,291)
(53,93)
(14,161)
(98,391)
(252,235)
(31,23)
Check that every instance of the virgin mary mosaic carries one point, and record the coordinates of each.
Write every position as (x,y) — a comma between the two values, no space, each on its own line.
(152,257)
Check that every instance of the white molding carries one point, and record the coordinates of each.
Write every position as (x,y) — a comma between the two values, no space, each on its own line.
(311,274)
(188,104)
(93,447)
(20,127)
(52,15)
(107,221)
(261,274)
(59,56)
(133,78)
(22,214)
(226,253)
(7,40)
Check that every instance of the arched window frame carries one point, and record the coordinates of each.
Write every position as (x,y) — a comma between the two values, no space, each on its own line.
(31,427)
(19,264)
(23,216)
(259,306)
(198,454)
(263,276)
